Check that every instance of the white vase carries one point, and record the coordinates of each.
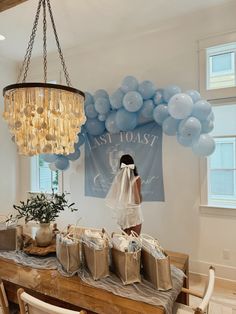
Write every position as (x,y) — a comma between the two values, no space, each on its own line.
(44,235)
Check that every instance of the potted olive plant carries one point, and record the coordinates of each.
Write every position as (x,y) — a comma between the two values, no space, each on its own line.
(43,208)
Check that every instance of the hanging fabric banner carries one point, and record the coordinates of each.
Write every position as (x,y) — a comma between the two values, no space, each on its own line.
(102,156)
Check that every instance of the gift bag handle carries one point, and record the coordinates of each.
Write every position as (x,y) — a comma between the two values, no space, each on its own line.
(147,236)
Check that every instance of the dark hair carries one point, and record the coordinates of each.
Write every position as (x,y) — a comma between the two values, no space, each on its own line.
(128,160)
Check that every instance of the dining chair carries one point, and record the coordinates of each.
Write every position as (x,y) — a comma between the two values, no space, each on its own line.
(31,305)
(4,307)
(203,306)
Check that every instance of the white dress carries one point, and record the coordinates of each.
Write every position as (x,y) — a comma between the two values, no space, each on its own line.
(121,198)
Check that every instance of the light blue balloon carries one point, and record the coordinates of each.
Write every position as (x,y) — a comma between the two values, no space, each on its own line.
(95,127)
(129,84)
(190,127)
(88,99)
(100,93)
(49,157)
(180,106)
(132,101)
(102,105)
(126,120)
(170,91)
(194,94)
(160,113)
(116,99)
(62,163)
(80,142)
(102,117)
(170,126)
(147,89)
(158,97)
(211,117)
(204,146)
(110,123)
(90,111)
(147,109)
(184,141)
(74,156)
(201,109)
(207,126)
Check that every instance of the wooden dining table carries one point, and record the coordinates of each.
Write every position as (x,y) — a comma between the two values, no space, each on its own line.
(72,293)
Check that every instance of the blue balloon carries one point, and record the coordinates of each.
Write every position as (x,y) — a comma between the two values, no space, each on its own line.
(80,142)
(90,111)
(158,97)
(74,156)
(211,117)
(160,113)
(184,140)
(147,109)
(129,84)
(126,120)
(110,123)
(201,109)
(190,127)
(194,94)
(62,163)
(204,146)
(170,91)
(132,101)
(95,127)
(100,93)
(102,105)
(180,106)
(170,126)
(88,99)
(207,126)
(102,117)
(147,89)
(49,157)
(116,99)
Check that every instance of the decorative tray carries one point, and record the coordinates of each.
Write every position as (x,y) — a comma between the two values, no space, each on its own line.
(30,247)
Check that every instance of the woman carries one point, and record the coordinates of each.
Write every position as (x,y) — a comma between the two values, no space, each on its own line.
(125,196)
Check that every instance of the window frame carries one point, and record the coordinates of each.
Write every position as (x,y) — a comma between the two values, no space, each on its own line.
(219,199)
(34,177)
(203,45)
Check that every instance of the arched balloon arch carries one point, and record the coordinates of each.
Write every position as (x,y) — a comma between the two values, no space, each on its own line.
(182,114)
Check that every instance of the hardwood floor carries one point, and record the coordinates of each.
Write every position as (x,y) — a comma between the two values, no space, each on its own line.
(224,296)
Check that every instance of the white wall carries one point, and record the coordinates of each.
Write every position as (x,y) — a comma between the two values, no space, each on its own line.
(166,56)
(8,156)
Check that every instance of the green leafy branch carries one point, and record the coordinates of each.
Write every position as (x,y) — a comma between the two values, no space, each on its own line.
(43,208)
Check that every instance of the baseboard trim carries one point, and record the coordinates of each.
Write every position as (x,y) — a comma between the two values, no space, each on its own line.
(222,271)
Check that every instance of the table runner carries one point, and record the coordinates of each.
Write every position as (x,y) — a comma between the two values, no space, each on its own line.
(142,292)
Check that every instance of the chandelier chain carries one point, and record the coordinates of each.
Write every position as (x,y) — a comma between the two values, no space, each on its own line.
(68,81)
(44,41)
(25,64)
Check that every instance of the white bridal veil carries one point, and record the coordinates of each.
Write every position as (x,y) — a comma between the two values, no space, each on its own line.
(124,191)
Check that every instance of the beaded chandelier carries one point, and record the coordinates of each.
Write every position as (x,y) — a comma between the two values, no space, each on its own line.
(43,118)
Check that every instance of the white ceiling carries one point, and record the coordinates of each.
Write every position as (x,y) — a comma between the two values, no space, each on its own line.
(81,22)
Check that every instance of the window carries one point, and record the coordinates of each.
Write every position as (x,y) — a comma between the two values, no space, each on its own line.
(42,178)
(217,66)
(222,173)
(221,66)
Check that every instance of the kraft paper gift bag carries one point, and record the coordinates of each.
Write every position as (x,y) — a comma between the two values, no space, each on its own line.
(97,261)
(127,265)
(96,252)
(156,264)
(11,238)
(68,253)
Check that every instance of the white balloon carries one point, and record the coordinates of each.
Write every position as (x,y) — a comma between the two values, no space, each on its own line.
(180,106)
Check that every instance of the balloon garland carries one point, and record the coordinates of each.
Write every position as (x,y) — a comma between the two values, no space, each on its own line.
(184,115)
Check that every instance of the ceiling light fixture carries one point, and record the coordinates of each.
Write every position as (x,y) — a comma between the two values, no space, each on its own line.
(2,37)
(43,118)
